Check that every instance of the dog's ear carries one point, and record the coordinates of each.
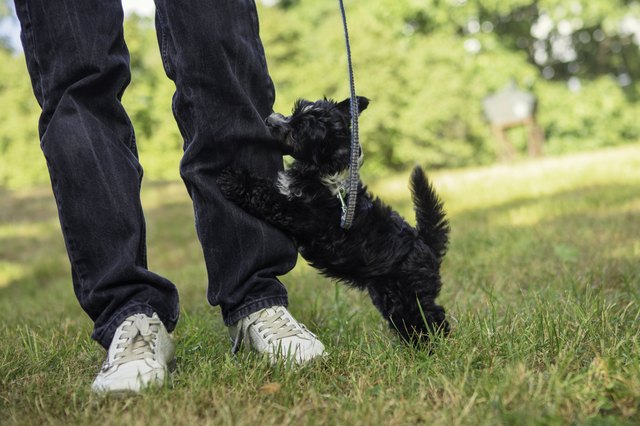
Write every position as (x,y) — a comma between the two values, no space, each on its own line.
(345,106)
(363,103)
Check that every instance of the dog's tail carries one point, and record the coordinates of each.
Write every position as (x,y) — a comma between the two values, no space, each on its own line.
(432,225)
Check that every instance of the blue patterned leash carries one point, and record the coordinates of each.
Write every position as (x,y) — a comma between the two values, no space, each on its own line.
(349,210)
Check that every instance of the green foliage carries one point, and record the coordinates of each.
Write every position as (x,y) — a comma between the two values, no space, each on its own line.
(416,60)
(598,115)
(148,102)
(426,65)
(4,8)
(21,161)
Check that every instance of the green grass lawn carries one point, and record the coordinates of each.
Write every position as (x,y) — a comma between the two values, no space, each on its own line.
(541,284)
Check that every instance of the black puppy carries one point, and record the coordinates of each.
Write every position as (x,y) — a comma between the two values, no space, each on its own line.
(397,264)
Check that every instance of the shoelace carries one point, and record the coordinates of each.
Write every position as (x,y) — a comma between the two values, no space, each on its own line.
(137,340)
(277,326)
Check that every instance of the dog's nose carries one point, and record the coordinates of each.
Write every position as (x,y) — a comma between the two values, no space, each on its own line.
(276,119)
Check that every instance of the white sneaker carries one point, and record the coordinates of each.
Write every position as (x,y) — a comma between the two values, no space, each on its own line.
(138,356)
(274,332)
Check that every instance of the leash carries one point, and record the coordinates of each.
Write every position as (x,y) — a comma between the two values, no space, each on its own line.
(348,210)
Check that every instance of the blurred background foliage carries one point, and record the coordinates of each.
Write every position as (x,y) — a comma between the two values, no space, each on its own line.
(426,65)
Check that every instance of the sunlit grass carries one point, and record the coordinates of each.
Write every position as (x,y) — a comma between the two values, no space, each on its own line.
(541,283)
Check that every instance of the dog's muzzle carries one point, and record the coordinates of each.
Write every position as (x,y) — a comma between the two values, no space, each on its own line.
(276,119)
(279,128)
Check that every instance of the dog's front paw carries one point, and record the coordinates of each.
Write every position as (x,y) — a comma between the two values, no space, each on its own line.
(230,183)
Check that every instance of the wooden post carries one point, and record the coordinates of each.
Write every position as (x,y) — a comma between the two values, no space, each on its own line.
(507,151)
(536,138)
(508,108)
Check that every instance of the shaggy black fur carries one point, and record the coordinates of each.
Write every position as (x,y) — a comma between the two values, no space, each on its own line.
(398,265)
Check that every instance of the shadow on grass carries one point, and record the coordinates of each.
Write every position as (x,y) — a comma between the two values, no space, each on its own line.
(567,241)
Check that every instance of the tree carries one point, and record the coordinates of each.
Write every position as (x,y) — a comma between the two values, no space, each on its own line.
(426,65)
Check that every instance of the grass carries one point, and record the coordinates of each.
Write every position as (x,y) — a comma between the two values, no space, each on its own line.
(542,285)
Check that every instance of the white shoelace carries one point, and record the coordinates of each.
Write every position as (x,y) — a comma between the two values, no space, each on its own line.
(277,327)
(274,327)
(137,340)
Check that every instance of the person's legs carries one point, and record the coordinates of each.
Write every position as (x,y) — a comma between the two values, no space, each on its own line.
(79,67)
(212,51)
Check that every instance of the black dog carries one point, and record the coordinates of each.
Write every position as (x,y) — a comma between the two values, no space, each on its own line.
(381,253)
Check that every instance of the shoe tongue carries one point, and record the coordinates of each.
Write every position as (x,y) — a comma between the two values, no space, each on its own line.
(142,324)
(268,312)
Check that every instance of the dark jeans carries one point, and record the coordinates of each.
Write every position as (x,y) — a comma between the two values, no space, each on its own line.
(79,68)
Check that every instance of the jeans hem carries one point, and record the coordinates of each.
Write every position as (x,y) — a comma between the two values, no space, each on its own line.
(105,336)
(254,306)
